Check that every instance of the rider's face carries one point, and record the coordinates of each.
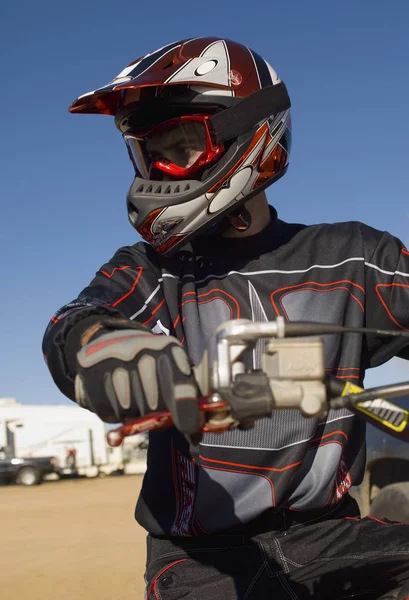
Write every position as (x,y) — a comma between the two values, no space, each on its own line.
(181,145)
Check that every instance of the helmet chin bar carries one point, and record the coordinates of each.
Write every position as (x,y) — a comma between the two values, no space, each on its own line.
(212,225)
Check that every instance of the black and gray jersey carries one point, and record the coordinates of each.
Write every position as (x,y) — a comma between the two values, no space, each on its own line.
(344,273)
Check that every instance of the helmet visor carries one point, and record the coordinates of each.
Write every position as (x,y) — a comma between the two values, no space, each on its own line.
(178,147)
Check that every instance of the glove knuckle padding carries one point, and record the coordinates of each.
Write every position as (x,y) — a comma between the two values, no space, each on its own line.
(123,346)
(181,360)
(122,387)
(137,391)
(110,392)
(80,393)
(148,379)
(185,390)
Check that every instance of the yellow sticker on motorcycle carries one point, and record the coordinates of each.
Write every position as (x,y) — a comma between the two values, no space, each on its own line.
(391,416)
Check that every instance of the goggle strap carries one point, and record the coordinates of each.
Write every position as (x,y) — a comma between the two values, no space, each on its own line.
(241,117)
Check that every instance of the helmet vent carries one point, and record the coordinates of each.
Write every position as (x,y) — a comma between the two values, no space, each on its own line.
(162,188)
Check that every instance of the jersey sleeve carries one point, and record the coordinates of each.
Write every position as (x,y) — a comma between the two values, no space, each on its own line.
(120,287)
(387,295)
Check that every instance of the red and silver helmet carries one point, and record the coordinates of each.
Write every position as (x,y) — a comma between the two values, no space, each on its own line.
(207,126)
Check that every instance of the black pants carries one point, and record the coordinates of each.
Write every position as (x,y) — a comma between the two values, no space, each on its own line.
(285,556)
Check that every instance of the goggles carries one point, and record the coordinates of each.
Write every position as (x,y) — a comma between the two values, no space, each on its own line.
(180,147)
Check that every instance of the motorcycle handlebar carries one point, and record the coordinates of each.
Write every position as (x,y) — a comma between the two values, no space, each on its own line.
(299,362)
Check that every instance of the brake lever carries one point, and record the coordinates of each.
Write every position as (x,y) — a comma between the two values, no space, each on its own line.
(216,412)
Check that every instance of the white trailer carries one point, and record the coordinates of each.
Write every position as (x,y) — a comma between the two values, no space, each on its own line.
(60,431)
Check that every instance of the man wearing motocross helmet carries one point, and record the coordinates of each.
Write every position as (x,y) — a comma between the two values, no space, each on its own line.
(264,510)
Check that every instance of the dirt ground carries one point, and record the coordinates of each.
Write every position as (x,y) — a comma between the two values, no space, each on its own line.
(72,539)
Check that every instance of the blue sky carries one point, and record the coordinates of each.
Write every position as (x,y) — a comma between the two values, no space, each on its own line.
(64,177)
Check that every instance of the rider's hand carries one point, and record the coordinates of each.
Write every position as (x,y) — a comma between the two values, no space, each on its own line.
(128,372)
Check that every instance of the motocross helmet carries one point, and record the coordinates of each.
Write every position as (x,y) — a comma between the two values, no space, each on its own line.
(207,125)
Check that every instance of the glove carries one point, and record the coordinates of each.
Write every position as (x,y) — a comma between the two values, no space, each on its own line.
(125,371)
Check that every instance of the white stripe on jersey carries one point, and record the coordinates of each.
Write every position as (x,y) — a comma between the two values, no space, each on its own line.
(387,272)
(145,306)
(287,272)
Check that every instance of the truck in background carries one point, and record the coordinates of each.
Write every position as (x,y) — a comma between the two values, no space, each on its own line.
(25,471)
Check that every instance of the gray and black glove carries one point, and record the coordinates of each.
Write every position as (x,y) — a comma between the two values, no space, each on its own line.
(125,371)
